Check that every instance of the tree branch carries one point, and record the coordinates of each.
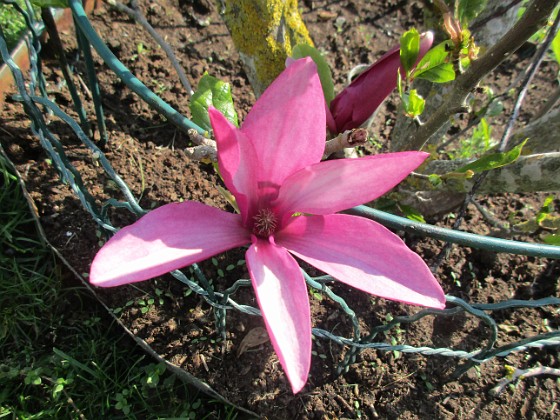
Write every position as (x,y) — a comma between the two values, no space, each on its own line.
(543,134)
(206,149)
(532,20)
(531,173)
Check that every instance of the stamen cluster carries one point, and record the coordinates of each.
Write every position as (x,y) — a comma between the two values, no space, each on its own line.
(266,223)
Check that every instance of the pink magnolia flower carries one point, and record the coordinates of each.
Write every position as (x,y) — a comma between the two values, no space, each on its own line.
(359,100)
(287,200)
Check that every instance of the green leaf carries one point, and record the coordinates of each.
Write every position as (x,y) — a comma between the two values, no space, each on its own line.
(410,47)
(416,103)
(411,213)
(304,50)
(546,209)
(555,46)
(50,3)
(413,103)
(552,239)
(469,9)
(494,160)
(548,204)
(434,66)
(435,179)
(212,92)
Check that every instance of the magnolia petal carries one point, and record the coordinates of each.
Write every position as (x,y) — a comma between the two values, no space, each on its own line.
(167,238)
(364,255)
(228,138)
(238,173)
(282,296)
(335,185)
(331,123)
(287,123)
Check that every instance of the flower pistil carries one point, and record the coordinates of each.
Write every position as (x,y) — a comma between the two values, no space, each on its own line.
(266,223)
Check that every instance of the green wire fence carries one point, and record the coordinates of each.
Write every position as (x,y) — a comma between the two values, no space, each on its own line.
(35,101)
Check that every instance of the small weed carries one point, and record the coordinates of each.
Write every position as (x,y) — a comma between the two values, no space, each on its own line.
(455,278)
(159,86)
(319,355)
(426,381)
(318,296)
(357,409)
(394,335)
(140,50)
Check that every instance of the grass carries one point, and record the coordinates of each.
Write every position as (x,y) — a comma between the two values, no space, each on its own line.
(12,23)
(60,354)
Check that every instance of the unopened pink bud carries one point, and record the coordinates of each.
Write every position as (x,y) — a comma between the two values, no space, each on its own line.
(359,100)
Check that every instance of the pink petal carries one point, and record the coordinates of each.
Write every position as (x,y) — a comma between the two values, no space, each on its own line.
(287,123)
(364,255)
(335,185)
(331,123)
(167,238)
(282,296)
(359,100)
(227,140)
(237,161)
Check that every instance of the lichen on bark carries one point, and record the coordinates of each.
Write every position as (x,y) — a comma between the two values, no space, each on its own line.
(264,33)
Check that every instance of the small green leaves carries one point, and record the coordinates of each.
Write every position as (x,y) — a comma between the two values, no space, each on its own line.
(413,103)
(410,47)
(435,180)
(546,209)
(304,50)
(494,160)
(212,92)
(546,220)
(435,66)
(439,179)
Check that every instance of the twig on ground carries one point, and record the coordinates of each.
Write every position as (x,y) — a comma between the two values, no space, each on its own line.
(514,374)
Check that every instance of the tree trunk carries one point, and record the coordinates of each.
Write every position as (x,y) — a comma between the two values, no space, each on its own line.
(264,33)
(543,134)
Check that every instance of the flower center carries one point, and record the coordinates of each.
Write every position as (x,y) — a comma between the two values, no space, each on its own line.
(266,223)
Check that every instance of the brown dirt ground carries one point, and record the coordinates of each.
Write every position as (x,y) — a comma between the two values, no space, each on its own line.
(148,153)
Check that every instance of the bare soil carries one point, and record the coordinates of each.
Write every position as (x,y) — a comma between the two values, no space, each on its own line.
(147,152)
